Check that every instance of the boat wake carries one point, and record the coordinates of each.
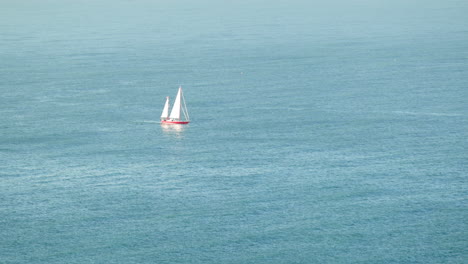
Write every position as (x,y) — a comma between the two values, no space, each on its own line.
(148,122)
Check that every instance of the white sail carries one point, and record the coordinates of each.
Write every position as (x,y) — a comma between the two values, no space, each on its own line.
(175,113)
(165,112)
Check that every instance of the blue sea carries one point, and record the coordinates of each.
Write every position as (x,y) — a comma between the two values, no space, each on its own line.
(321,131)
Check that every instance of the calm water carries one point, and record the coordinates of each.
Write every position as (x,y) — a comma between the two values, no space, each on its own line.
(322,132)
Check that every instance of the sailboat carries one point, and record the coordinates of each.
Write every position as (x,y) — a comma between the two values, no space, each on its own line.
(179,109)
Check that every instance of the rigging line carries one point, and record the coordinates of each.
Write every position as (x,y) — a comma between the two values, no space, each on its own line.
(184,109)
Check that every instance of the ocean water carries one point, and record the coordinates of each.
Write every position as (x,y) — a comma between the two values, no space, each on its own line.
(322,131)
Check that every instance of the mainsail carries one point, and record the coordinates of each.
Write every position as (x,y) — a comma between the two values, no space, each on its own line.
(175,113)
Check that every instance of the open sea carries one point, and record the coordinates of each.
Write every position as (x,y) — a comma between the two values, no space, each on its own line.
(322,131)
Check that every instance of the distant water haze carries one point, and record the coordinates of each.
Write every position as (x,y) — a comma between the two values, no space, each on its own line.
(321,131)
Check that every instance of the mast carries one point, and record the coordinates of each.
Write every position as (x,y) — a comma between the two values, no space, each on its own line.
(165,112)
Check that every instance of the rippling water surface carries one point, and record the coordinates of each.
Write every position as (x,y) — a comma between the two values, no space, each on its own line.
(322,132)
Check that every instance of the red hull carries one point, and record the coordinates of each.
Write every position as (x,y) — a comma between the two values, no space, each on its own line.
(175,122)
